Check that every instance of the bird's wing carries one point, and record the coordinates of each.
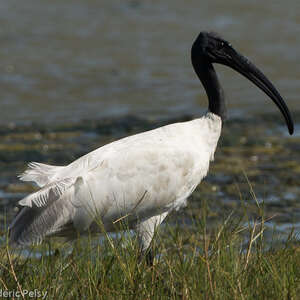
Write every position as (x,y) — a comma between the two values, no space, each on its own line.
(49,193)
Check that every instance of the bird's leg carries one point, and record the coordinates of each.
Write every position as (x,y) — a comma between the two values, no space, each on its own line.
(150,257)
(145,232)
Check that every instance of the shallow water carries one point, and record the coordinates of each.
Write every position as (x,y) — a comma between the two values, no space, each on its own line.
(72,60)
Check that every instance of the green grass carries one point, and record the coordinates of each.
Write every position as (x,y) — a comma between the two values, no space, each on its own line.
(230,261)
(197,260)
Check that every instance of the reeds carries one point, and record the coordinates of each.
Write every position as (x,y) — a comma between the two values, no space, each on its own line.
(230,261)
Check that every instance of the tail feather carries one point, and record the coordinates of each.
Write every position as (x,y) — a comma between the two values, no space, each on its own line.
(40,173)
(32,224)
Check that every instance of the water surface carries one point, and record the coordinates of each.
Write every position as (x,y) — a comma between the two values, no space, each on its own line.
(72,60)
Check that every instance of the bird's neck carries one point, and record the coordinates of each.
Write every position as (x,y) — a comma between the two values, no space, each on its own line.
(213,88)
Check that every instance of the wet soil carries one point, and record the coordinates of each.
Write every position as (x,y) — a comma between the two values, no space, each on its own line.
(256,166)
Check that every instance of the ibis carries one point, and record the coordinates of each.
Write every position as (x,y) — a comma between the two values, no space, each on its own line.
(140,178)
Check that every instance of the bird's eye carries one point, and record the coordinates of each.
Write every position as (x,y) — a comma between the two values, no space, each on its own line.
(221,45)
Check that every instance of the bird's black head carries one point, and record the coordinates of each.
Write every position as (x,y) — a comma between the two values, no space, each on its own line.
(210,48)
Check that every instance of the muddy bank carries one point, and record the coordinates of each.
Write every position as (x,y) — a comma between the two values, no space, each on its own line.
(256,159)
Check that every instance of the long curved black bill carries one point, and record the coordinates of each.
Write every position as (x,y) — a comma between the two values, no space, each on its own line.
(231,58)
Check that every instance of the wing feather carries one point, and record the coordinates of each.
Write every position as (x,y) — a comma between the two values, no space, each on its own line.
(48,193)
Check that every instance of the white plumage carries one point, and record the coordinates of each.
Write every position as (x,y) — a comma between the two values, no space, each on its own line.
(142,178)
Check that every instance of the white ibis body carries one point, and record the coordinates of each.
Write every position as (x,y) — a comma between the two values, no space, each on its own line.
(140,178)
